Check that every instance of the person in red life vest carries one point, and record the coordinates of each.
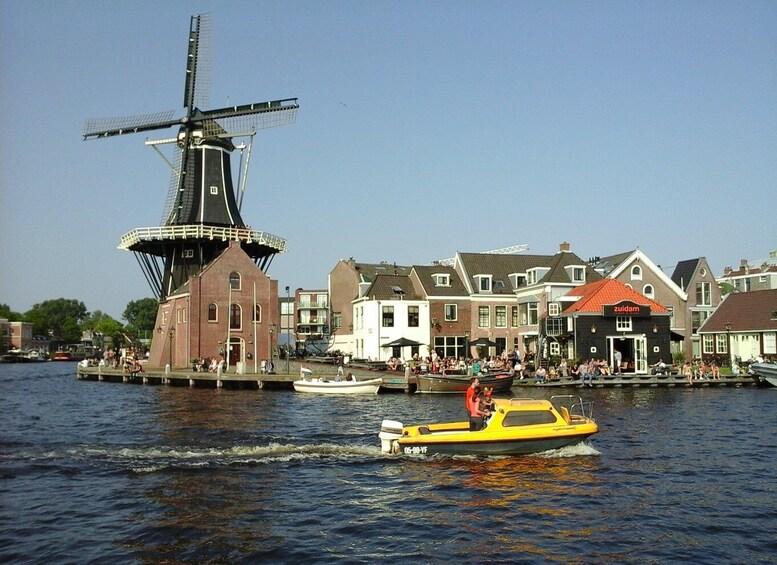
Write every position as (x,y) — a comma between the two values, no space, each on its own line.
(476,411)
(474,383)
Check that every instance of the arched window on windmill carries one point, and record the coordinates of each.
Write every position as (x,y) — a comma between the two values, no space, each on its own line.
(235,317)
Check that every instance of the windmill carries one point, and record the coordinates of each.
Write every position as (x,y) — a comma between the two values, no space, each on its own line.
(202,212)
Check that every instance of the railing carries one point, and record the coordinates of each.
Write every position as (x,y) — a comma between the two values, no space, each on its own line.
(201,231)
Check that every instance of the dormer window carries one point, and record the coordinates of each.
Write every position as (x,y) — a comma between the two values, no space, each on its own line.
(517,279)
(397,290)
(484,283)
(576,273)
(441,279)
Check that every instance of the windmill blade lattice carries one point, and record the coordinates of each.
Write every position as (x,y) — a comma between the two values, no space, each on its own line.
(198,63)
(105,127)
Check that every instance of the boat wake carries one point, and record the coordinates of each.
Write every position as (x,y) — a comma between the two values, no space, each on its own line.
(154,460)
(581,449)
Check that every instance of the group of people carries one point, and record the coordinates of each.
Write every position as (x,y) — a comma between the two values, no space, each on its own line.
(210,365)
(699,370)
(480,406)
(437,364)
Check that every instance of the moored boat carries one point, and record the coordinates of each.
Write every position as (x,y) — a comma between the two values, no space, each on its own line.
(63,356)
(430,382)
(325,386)
(518,426)
(764,374)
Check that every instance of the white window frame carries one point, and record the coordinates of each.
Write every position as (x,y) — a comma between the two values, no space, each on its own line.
(623,323)
(451,309)
(636,273)
(500,322)
(554,309)
(482,318)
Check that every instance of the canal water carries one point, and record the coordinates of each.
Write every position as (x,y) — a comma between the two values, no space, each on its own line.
(103,472)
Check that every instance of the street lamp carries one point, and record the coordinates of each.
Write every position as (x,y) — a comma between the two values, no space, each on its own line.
(170,333)
(272,331)
(288,329)
(728,342)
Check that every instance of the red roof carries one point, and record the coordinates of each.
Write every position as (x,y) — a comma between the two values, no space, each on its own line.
(607,292)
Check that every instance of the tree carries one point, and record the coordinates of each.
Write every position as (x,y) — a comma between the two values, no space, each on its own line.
(60,318)
(8,314)
(141,315)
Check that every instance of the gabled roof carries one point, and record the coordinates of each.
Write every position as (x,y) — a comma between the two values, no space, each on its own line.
(745,311)
(606,265)
(638,256)
(368,271)
(684,271)
(424,274)
(391,287)
(500,267)
(593,296)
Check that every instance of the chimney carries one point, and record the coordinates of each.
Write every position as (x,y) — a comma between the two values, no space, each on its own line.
(743,262)
(563,247)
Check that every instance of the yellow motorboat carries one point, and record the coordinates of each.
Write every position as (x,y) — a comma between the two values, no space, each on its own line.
(518,426)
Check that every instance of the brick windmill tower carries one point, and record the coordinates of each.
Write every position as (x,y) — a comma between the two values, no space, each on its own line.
(202,233)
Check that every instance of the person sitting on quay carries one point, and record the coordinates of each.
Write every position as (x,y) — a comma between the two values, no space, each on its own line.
(582,372)
(660,368)
(688,372)
(714,371)
(539,375)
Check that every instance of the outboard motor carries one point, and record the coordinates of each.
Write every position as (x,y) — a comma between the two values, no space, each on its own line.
(390,431)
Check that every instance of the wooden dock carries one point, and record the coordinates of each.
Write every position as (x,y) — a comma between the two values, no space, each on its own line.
(233,380)
(633,380)
(393,381)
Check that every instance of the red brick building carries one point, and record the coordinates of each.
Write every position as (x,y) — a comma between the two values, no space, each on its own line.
(229,310)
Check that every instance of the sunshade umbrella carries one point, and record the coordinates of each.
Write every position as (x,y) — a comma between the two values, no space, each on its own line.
(482,342)
(401,342)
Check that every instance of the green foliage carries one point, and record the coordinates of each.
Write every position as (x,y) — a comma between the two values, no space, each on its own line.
(59,318)
(726,288)
(678,357)
(8,314)
(141,315)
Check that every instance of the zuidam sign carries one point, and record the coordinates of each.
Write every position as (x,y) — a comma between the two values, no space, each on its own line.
(626,308)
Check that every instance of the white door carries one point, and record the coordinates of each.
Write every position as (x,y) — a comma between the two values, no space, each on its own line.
(640,347)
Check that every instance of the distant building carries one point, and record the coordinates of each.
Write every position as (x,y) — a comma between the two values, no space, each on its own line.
(312,320)
(760,275)
(388,310)
(346,280)
(743,327)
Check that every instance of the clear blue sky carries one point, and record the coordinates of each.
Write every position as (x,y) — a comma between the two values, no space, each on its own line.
(425,128)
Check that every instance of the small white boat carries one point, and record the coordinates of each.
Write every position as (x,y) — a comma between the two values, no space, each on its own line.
(764,374)
(325,386)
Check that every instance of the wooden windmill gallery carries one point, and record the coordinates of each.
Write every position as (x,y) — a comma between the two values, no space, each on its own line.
(206,267)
